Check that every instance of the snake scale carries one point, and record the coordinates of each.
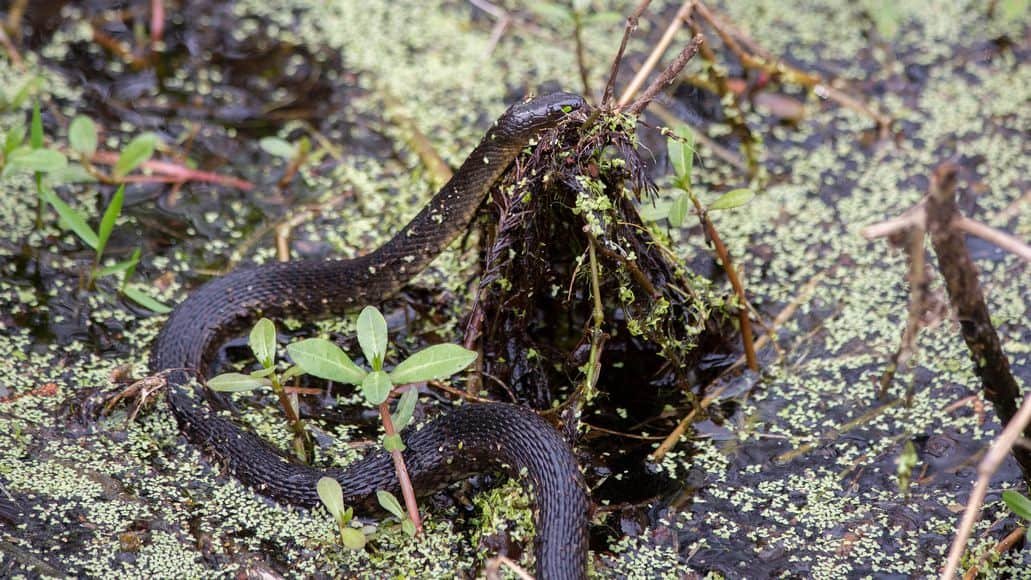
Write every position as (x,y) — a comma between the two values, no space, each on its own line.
(468,439)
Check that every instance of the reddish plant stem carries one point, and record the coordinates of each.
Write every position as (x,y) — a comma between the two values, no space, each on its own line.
(407,491)
(735,282)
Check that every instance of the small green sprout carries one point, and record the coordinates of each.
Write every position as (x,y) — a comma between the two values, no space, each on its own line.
(681,151)
(262,341)
(333,498)
(323,359)
(49,167)
(390,503)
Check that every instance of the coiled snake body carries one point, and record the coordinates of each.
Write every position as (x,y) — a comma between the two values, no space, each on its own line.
(466,440)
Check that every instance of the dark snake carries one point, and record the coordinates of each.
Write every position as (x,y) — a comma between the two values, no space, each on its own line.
(469,439)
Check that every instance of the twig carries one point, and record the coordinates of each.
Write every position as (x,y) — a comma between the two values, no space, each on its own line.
(994,236)
(988,466)
(402,472)
(14,15)
(1006,544)
(916,217)
(493,568)
(157,23)
(735,282)
(631,26)
(917,305)
(673,438)
(668,75)
(438,169)
(803,296)
(990,363)
(660,48)
(12,51)
(581,58)
(700,137)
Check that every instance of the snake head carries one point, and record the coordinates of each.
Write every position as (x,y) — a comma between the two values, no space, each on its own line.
(539,113)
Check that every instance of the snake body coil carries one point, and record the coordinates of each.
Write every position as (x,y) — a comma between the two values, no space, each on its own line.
(468,439)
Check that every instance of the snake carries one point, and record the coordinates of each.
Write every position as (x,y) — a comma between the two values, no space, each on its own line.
(469,439)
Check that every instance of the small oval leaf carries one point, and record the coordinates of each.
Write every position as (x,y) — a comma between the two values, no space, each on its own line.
(137,152)
(352,538)
(732,199)
(263,342)
(678,210)
(393,443)
(408,527)
(376,387)
(372,336)
(1018,503)
(278,147)
(405,407)
(41,160)
(82,135)
(332,496)
(390,503)
(681,153)
(321,358)
(236,383)
(436,362)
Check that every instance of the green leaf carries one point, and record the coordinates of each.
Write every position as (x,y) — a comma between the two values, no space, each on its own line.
(236,382)
(82,135)
(291,372)
(390,503)
(107,223)
(332,496)
(145,300)
(263,372)
(321,358)
(372,336)
(678,211)
(405,407)
(13,139)
(731,199)
(41,160)
(681,154)
(263,342)
(36,128)
(655,211)
(1018,503)
(376,387)
(123,266)
(408,527)
(352,538)
(72,218)
(393,443)
(278,147)
(67,175)
(435,362)
(135,259)
(138,151)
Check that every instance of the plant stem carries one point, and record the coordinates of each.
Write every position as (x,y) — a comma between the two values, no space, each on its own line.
(407,491)
(735,282)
